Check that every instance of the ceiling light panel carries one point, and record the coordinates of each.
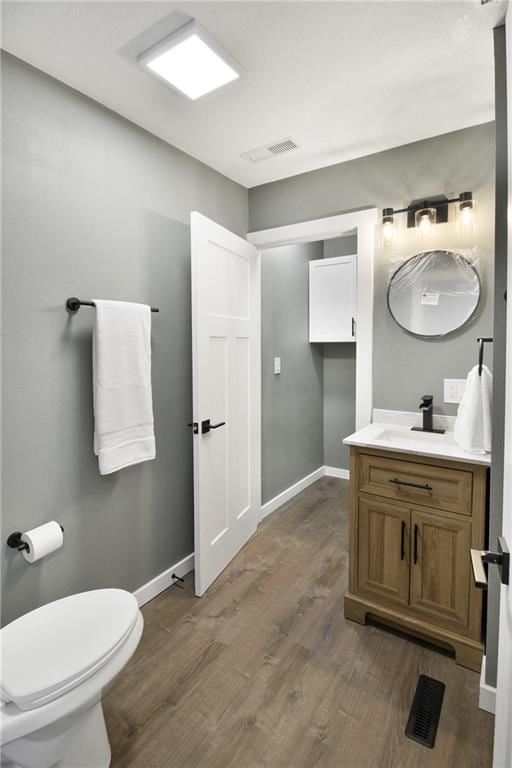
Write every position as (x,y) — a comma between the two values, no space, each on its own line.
(191,61)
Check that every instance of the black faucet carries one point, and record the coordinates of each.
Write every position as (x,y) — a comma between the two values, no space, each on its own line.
(427,406)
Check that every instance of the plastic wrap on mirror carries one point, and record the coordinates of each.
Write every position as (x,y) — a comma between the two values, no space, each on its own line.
(434,292)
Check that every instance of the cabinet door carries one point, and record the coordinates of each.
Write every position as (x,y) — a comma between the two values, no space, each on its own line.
(440,567)
(383,563)
(332,306)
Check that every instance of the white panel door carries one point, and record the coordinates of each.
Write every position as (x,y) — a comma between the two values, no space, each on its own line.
(332,299)
(503,732)
(226,395)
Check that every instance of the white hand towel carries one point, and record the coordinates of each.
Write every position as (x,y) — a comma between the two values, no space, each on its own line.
(123,407)
(473,430)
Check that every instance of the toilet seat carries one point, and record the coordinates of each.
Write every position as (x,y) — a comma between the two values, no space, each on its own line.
(53,649)
(16,723)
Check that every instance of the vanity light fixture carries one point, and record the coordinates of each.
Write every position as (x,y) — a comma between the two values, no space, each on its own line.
(191,61)
(424,213)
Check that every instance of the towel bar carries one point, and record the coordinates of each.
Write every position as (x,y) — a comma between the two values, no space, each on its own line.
(73,304)
(482,340)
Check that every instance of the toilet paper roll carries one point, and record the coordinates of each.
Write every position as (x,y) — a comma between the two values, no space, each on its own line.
(41,541)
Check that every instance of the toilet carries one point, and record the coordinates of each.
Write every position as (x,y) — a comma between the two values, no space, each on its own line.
(56,661)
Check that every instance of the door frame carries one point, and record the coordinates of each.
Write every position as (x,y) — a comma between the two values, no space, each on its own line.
(502,733)
(363,223)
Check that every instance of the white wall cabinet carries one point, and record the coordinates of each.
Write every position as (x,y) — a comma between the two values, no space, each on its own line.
(332,299)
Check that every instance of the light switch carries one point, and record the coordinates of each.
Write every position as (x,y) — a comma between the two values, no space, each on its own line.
(454,390)
(277,365)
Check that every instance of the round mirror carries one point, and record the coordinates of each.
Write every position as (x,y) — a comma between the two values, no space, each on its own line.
(433,293)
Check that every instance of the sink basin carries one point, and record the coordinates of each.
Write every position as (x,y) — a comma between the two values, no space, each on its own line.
(404,435)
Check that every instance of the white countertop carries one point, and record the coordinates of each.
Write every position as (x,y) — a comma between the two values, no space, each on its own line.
(400,438)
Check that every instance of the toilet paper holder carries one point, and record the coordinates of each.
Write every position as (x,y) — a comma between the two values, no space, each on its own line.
(14,541)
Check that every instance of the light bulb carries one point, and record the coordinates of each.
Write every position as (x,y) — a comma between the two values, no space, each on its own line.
(467,219)
(425,218)
(387,227)
(387,233)
(425,224)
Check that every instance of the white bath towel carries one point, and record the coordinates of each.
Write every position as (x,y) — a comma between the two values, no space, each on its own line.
(473,430)
(123,406)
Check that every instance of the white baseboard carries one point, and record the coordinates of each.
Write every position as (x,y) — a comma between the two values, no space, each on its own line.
(301,485)
(290,492)
(164,580)
(344,474)
(487,697)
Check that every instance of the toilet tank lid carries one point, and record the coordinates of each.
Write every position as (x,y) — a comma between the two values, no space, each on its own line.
(52,649)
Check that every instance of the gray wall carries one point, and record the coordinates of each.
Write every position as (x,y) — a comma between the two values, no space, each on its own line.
(339,379)
(339,402)
(93,207)
(310,407)
(500,324)
(292,402)
(404,367)
(340,246)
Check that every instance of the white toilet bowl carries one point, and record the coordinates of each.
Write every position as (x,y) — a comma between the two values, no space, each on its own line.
(56,661)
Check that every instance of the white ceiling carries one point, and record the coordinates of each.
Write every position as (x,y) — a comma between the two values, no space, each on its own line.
(343,79)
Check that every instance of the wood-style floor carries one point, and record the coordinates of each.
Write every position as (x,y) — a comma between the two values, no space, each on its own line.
(265,672)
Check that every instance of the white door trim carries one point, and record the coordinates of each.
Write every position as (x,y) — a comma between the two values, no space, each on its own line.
(364,223)
(502,757)
(487,695)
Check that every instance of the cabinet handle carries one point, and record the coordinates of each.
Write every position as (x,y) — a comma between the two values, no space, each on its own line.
(415,543)
(425,487)
(353,327)
(402,542)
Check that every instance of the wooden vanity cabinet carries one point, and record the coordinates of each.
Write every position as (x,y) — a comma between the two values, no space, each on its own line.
(413,521)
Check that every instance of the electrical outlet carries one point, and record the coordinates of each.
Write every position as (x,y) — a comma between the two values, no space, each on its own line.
(454,390)
(277,365)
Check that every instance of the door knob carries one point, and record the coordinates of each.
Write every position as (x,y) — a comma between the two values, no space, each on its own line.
(206,426)
(501,558)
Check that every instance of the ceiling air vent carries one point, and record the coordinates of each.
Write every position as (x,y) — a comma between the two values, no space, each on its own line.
(282,146)
(269,150)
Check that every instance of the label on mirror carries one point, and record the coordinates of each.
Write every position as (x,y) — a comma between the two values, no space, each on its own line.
(429,297)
